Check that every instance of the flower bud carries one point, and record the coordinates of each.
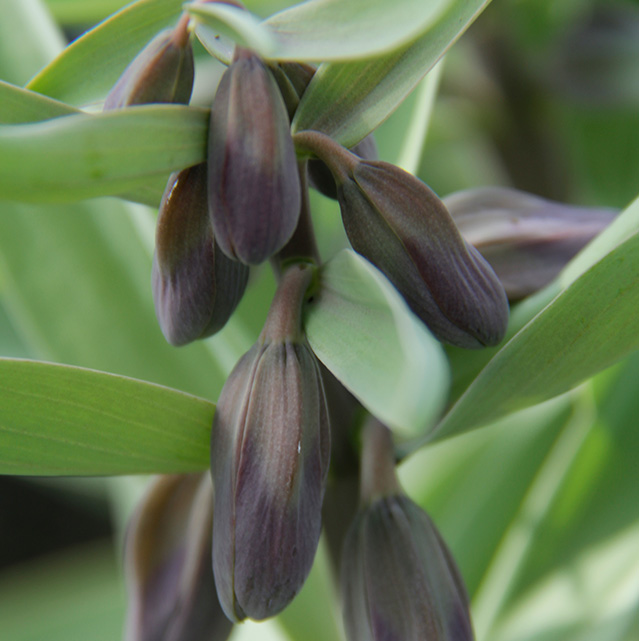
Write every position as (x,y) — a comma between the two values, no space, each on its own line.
(168,564)
(399,581)
(254,190)
(269,457)
(196,287)
(397,223)
(526,239)
(162,72)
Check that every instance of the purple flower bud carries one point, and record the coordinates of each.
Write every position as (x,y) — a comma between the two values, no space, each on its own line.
(401,226)
(168,564)
(254,189)
(162,72)
(399,581)
(196,287)
(269,456)
(526,239)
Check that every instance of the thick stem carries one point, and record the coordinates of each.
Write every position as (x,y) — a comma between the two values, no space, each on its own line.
(337,158)
(284,320)
(378,475)
(302,247)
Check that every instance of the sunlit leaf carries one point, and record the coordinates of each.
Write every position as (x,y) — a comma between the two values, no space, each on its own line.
(84,155)
(362,330)
(86,70)
(348,100)
(56,419)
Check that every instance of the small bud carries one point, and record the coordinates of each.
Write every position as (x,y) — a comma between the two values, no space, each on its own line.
(196,287)
(526,239)
(254,189)
(162,72)
(168,564)
(399,581)
(269,456)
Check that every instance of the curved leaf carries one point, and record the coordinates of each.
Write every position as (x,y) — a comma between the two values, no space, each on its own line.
(85,155)
(362,330)
(19,105)
(587,328)
(86,70)
(56,419)
(348,100)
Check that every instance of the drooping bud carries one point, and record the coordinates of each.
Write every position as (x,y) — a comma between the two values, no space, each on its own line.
(196,287)
(526,239)
(269,457)
(168,564)
(162,72)
(396,222)
(399,580)
(254,190)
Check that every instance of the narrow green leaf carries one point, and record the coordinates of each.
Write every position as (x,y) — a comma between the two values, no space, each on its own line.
(19,105)
(85,71)
(338,30)
(362,330)
(348,100)
(81,12)
(56,419)
(85,155)
(587,328)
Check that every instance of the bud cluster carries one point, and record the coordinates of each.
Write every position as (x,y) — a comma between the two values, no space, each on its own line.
(278,418)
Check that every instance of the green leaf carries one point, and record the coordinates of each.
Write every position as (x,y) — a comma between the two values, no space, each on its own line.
(19,105)
(362,330)
(85,155)
(56,419)
(81,12)
(338,30)
(85,71)
(587,328)
(235,23)
(348,100)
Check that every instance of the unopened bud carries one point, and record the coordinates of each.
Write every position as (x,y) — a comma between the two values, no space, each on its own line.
(526,239)
(269,457)
(396,222)
(399,580)
(196,287)
(168,564)
(162,72)
(254,189)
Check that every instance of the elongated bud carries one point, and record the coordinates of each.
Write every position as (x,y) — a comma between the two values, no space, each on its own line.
(402,227)
(526,239)
(162,72)
(254,190)
(196,287)
(168,564)
(399,581)
(269,456)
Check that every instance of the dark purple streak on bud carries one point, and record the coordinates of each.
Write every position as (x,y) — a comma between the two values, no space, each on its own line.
(399,581)
(526,239)
(269,456)
(254,190)
(196,287)
(168,564)
(162,72)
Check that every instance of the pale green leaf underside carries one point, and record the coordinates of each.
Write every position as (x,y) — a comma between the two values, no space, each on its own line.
(587,328)
(85,155)
(362,330)
(61,420)
(324,29)
(19,105)
(348,100)
(86,70)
